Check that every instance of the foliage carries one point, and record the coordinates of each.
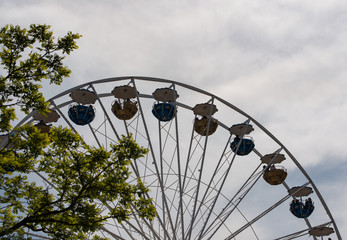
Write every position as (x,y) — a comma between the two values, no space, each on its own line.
(28,57)
(84,185)
(81,181)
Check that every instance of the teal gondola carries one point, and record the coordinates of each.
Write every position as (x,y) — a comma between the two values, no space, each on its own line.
(164,111)
(244,148)
(81,115)
(300,209)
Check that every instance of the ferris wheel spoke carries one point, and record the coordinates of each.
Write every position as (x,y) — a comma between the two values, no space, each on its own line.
(157,169)
(180,184)
(303,232)
(164,136)
(127,229)
(249,223)
(115,236)
(103,209)
(214,175)
(139,229)
(134,125)
(258,217)
(46,180)
(166,127)
(95,137)
(169,164)
(105,112)
(227,211)
(294,235)
(103,134)
(164,211)
(208,209)
(191,167)
(134,164)
(165,164)
(57,108)
(161,224)
(159,208)
(37,235)
(213,183)
(148,225)
(136,230)
(225,173)
(233,202)
(194,215)
(220,188)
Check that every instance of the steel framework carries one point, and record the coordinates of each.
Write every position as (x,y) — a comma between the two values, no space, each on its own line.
(201,188)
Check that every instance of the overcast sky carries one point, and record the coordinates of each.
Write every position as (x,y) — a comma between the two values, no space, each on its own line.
(282,62)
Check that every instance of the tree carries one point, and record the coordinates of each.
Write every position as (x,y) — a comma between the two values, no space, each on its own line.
(85,185)
(28,57)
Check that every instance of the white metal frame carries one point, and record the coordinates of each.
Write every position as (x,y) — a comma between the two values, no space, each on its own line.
(187,206)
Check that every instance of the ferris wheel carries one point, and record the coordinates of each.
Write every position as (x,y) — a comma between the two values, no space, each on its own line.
(213,171)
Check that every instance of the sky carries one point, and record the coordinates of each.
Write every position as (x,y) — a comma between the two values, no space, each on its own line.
(282,62)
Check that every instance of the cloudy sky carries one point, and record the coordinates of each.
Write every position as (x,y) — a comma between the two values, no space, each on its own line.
(282,62)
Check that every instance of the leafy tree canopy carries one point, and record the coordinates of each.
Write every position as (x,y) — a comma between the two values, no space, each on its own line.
(84,185)
(27,58)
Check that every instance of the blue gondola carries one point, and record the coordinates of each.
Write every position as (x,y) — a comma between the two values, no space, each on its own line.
(301,210)
(164,111)
(246,146)
(81,115)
